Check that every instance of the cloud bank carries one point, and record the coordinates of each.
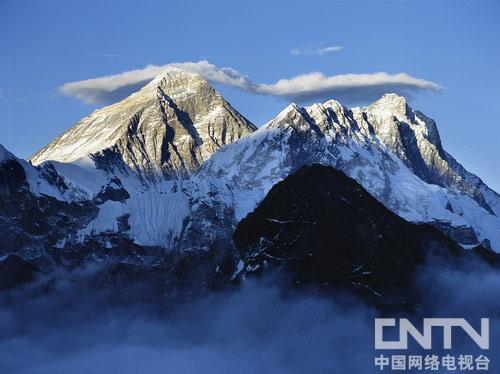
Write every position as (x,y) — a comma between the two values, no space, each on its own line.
(316,86)
(314,51)
(68,325)
(259,328)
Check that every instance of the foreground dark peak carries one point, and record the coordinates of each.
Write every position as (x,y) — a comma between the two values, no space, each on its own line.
(326,228)
(170,126)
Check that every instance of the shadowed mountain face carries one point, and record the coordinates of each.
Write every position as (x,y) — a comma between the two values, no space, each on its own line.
(31,224)
(325,228)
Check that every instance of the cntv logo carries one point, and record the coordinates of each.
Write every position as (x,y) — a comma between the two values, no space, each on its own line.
(424,339)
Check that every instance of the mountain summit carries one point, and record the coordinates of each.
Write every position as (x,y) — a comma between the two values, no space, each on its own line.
(168,128)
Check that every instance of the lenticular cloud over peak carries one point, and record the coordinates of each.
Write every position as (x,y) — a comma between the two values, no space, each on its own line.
(315,86)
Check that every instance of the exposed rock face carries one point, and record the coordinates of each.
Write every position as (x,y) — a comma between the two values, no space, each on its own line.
(324,228)
(168,128)
(415,139)
(464,235)
(30,223)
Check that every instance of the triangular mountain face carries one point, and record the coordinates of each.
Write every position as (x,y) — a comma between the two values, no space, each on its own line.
(393,151)
(166,129)
(324,228)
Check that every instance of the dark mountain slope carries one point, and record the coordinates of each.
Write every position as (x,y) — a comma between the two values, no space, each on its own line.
(324,228)
(31,223)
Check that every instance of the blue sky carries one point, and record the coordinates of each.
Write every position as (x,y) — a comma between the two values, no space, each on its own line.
(454,43)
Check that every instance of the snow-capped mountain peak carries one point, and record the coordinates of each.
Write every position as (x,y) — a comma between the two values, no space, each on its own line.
(168,128)
(392,116)
(175,78)
(391,105)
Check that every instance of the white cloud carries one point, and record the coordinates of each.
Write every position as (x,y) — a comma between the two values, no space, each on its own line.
(307,87)
(351,87)
(314,51)
(111,88)
(103,89)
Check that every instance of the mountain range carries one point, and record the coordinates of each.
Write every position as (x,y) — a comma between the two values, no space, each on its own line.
(175,169)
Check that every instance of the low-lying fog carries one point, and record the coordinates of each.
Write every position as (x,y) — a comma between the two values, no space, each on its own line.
(259,328)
